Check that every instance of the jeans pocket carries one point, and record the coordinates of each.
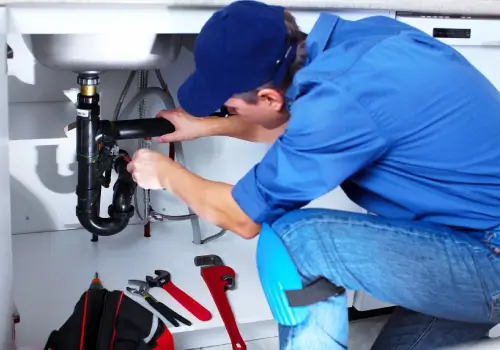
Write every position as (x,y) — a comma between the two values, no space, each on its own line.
(491,240)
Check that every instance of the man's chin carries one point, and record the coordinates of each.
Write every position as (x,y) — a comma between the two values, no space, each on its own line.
(271,125)
(268,126)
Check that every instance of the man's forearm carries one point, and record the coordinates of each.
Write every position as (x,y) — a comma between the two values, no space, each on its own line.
(236,127)
(210,200)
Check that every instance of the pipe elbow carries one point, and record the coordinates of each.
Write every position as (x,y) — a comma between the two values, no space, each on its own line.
(103,226)
(120,211)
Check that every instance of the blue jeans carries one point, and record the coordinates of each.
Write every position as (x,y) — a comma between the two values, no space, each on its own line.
(446,282)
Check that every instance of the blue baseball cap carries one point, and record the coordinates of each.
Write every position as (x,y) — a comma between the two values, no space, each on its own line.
(240,48)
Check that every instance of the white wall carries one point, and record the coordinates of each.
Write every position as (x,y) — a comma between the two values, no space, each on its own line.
(42,166)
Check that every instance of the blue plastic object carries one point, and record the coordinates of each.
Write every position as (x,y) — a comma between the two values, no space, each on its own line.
(277,274)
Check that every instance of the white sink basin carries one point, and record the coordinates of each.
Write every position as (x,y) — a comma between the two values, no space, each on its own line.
(104,52)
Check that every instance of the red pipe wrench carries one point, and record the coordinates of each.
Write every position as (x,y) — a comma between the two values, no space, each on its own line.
(220,278)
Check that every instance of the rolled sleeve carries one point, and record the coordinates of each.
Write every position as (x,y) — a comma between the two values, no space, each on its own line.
(330,137)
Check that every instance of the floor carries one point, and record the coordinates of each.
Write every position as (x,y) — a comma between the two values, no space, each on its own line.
(362,334)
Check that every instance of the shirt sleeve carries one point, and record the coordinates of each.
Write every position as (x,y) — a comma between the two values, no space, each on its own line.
(329,137)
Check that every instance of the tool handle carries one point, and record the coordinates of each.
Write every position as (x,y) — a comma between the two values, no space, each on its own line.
(227,315)
(167,313)
(213,277)
(198,310)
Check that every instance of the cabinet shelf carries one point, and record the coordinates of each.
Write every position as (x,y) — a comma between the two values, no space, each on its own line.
(52,270)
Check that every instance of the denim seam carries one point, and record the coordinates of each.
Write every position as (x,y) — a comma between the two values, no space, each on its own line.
(345,268)
(302,222)
(423,333)
(494,308)
(490,302)
(328,335)
(290,228)
(298,225)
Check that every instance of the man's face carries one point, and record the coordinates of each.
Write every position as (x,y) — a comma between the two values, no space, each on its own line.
(266,110)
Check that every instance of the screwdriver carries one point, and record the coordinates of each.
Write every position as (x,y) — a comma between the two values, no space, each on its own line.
(96,282)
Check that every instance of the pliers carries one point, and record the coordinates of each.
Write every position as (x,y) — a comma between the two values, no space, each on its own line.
(170,315)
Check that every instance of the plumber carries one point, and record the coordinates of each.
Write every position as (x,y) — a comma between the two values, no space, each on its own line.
(404,124)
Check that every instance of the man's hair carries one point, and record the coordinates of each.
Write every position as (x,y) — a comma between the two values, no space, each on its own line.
(294,34)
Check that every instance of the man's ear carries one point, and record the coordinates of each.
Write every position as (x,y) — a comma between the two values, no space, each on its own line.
(273,98)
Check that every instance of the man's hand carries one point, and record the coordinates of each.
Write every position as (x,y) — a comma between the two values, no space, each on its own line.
(148,168)
(186,126)
(210,200)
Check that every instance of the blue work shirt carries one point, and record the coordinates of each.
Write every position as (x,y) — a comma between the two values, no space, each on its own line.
(402,122)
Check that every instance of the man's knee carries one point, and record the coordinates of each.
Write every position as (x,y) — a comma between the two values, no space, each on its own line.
(305,231)
(311,237)
(291,228)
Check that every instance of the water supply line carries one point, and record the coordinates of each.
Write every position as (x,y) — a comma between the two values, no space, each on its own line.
(142,84)
(123,94)
(176,150)
(179,154)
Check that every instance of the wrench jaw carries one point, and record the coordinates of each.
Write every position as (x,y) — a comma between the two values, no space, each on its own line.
(141,285)
(134,291)
(230,282)
(167,313)
(208,260)
(205,261)
(162,278)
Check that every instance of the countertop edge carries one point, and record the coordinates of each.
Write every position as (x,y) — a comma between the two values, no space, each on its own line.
(480,7)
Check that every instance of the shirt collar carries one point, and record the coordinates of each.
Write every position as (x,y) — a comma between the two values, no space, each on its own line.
(316,43)
(320,34)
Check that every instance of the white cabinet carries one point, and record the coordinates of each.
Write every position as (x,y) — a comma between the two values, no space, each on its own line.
(43,181)
(42,175)
(6,302)
(476,39)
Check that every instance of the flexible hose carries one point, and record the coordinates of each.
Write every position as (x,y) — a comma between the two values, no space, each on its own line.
(142,84)
(123,94)
(180,154)
(139,101)
(145,93)
(162,82)
(127,111)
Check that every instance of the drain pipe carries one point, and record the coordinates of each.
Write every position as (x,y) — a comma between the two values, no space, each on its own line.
(97,152)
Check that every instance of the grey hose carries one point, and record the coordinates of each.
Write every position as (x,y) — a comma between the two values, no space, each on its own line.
(180,156)
(123,94)
(145,93)
(142,84)
(138,101)
(162,82)
(127,111)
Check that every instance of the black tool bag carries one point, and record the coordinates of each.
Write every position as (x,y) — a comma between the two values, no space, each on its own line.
(104,320)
